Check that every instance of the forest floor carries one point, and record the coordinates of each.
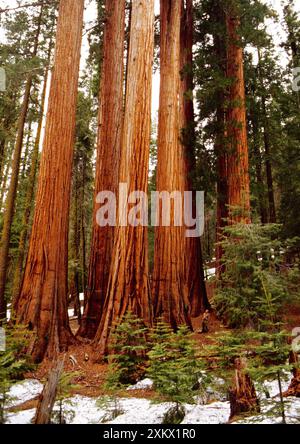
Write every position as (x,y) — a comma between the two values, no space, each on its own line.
(91,375)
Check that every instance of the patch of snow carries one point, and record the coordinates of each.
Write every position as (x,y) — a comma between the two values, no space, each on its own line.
(292,413)
(85,410)
(141,411)
(215,413)
(144,384)
(24,417)
(24,391)
(271,387)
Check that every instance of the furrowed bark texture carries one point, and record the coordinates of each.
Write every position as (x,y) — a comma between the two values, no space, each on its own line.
(238,158)
(42,304)
(108,158)
(30,193)
(195,273)
(170,290)
(128,287)
(12,192)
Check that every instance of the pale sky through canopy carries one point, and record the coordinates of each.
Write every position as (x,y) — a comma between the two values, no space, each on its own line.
(275,29)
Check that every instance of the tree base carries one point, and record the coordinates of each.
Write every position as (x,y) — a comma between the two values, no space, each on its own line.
(243,398)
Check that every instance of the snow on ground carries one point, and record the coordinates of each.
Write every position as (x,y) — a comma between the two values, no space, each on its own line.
(145,384)
(271,387)
(84,410)
(214,413)
(141,411)
(24,391)
(292,413)
(24,417)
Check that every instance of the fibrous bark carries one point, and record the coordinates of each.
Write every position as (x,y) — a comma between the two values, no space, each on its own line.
(236,124)
(128,287)
(30,192)
(108,158)
(195,273)
(170,289)
(12,192)
(42,305)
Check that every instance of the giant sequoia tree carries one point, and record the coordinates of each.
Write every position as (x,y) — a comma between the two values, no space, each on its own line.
(12,192)
(108,157)
(170,290)
(236,125)
(195,273)
(42,304)
(128,286)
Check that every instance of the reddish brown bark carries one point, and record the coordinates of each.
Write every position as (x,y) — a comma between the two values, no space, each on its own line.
(30,191)
(170,289)
(108,158)
(237,141)
(294,388)
(128,287)
(12,192)
(195,273)
(42,305)
(243,397)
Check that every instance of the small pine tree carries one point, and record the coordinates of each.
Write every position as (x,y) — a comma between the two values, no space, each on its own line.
(13,364)
(266,353)
(253,280)
(174,368)
(128,346)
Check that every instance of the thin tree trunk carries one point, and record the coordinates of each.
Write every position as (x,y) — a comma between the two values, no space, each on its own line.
(238,158)
(220,145)
(128,287)
(258,167)
(30,192)
(11,197)
(195,273)
(108,158)
(8,160)
(47,398)
(42,305)
(26,152)
(267,144)
(170,289)
(75,251)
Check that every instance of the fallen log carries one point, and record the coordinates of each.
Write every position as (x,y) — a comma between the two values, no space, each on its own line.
(48,395)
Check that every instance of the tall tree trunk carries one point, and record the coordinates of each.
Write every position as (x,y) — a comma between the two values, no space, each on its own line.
(26,151)
(108,158)
(195,273)
(30,192)
(267,144)
(75,250)
(8,160)
(12,192)
(170,290)
(42,304)
(128,288)
(258,165)
(238,158)
(220,145)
